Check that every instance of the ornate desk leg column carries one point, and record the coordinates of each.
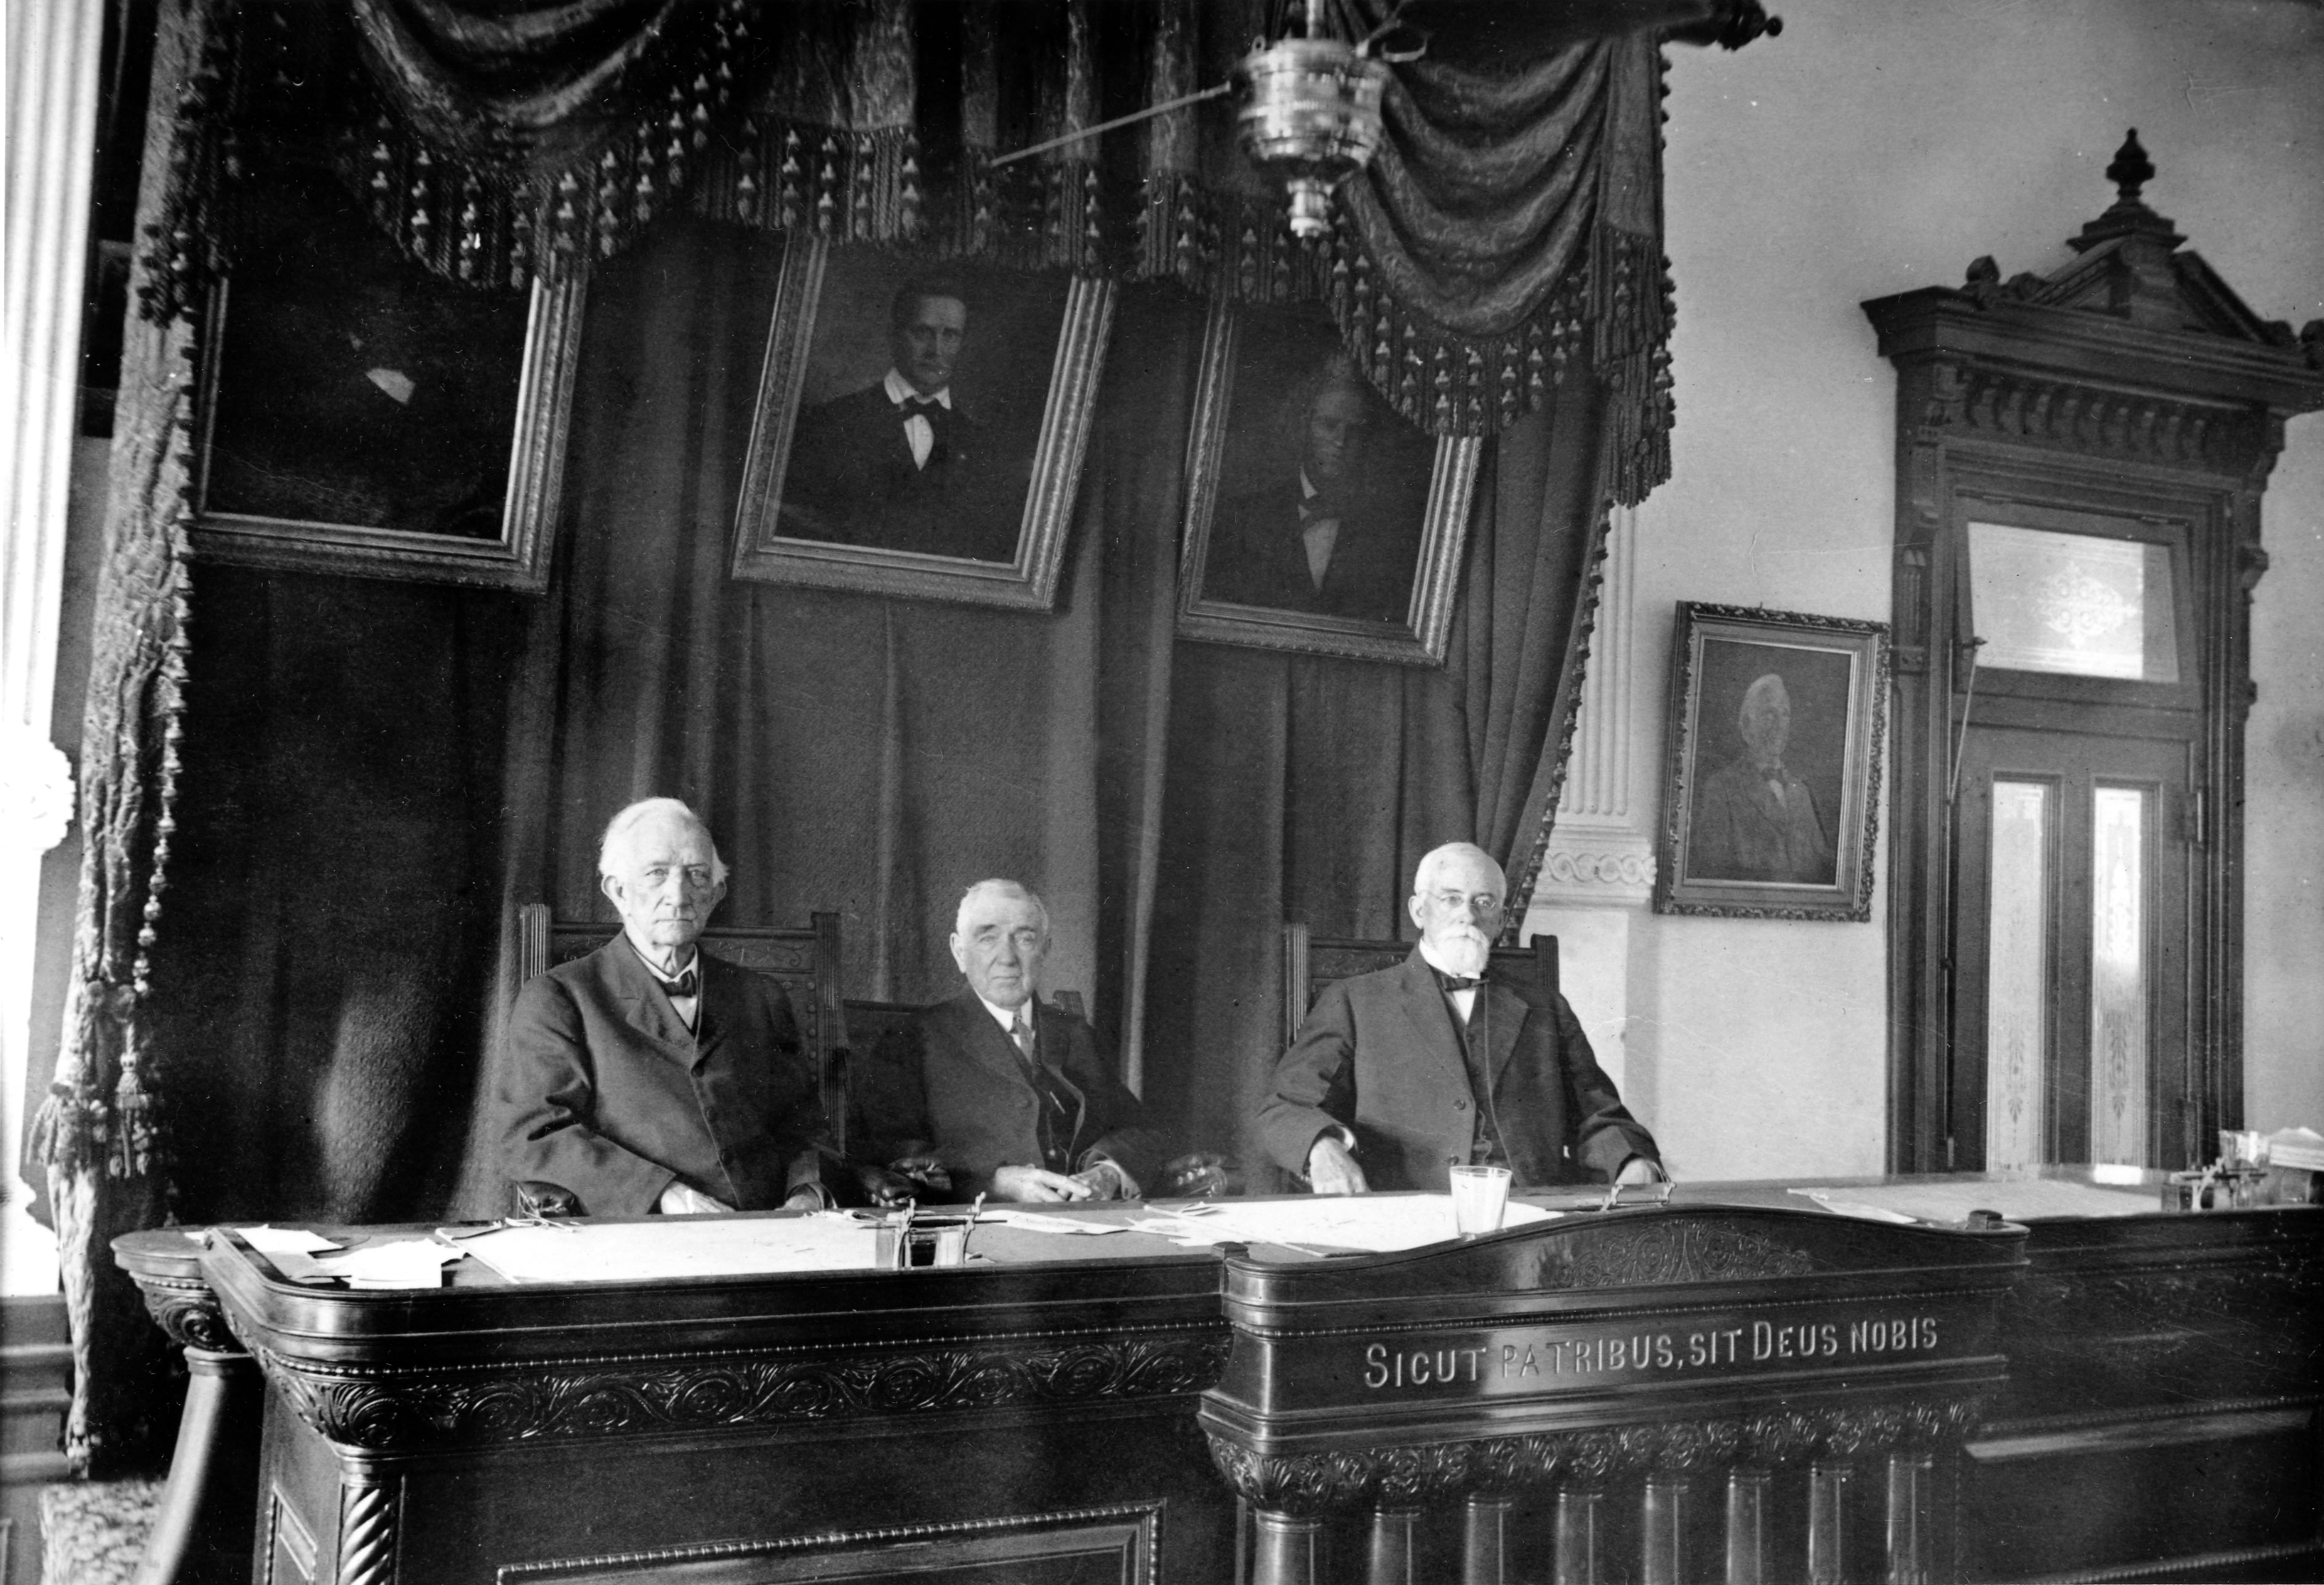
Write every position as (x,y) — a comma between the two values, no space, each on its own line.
(1828,1523)
(209,1508)
(1578,1524)
(1287,1549)
(1912,1479)
(1484,1536)
(1391,1553)
(1663,1526)
(370,1507)
(1747,1526)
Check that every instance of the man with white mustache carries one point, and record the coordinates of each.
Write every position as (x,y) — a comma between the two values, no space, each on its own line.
(1400,1074)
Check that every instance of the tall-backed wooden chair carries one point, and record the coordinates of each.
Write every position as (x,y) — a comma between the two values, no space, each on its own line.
(806,961)
(1310,962)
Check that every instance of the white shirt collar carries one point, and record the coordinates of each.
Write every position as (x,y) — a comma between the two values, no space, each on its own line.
(693,960)
(1307,491)
(1007,1016)
(901,391)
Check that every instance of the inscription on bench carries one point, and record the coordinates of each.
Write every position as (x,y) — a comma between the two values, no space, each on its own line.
(1528,1358)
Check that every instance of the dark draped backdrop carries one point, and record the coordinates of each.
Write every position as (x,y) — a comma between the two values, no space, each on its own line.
(347,788)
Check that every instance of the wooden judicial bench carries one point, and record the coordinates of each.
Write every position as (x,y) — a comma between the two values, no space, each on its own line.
(1733,1386)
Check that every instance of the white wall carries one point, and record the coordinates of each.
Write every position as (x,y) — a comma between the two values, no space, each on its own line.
(1875,148)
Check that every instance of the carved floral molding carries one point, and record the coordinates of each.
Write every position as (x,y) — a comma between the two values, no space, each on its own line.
(1313,1483)
(384,1410)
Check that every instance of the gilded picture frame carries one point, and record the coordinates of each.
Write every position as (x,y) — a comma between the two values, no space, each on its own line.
(1383,587)
(360,417)
(1772,777)
(851,508)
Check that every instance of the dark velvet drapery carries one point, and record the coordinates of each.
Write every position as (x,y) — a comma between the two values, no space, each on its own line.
(375,774)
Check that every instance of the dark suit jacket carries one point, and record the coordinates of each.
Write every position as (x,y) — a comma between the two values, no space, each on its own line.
(1381,1053)
(951,1083)
(852,480)
(1259,557)
(603,1090)
(1741,833)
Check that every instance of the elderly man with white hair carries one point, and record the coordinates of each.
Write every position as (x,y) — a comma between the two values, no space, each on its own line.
(1754,820)
(995,1092)
(1400,1074)
(650,1076)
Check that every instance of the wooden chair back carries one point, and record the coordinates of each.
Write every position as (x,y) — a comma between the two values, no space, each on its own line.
(1310,962)
(806,961)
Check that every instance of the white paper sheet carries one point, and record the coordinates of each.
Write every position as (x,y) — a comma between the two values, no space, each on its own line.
(688,1246)
(1376,1223)
(1035,1221)
(390,1263)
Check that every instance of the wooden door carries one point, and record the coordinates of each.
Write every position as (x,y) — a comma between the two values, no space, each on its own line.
(2072,972)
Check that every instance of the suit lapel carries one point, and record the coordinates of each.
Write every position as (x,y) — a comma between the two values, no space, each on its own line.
(1505,1016)
(1049,1025)
(646,1008)
(713,1010)
(1433,1028)
(983,1038)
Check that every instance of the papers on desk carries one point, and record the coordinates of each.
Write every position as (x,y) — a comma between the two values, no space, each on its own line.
(1375,1223)
(1035,1221)
(676,1247)
(390,1263)
(1857,1208)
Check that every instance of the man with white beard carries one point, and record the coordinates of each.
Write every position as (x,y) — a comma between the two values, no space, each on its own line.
(1400,1074)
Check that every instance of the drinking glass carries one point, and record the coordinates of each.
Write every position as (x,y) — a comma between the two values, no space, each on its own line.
(1480,1193)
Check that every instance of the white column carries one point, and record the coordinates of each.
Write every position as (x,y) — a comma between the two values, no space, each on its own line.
(51,88)
(1599,866)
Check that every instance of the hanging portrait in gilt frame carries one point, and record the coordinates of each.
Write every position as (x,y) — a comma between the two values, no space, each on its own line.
(1317,517)
(363,416)
(919,428)
(1770,800)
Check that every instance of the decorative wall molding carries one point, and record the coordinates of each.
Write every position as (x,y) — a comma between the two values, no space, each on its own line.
(1596,872)
(2010,405)
(543,1400)
(1313,1483)
(1600,852)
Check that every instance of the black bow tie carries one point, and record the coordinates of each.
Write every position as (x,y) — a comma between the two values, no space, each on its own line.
(686,984)
(1449,983)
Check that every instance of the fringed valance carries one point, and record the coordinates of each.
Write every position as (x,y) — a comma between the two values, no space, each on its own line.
(1510,226)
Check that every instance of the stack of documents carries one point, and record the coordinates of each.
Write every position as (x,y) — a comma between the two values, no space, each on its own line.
(1375,1223)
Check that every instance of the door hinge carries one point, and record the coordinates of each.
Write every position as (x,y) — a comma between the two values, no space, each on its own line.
(2198,818)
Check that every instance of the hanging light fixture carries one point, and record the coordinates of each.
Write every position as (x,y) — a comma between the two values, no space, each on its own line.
(1311,112)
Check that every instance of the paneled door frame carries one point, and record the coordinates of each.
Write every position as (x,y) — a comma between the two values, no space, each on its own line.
(2040,399)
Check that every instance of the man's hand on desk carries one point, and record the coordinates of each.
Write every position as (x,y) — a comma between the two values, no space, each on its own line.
(1033,1183)
(909,1177)
(1331,1168)
(1196,1174)
(1107,1180)
(1638,1169)
(677,1200)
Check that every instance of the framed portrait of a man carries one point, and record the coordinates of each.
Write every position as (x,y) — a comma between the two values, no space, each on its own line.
(1770,802)
(363,416)
(1317,517)
(919,428)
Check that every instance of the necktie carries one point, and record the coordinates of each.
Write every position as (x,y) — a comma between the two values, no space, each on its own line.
(1448,983)
(1020,1030)
(686,984)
